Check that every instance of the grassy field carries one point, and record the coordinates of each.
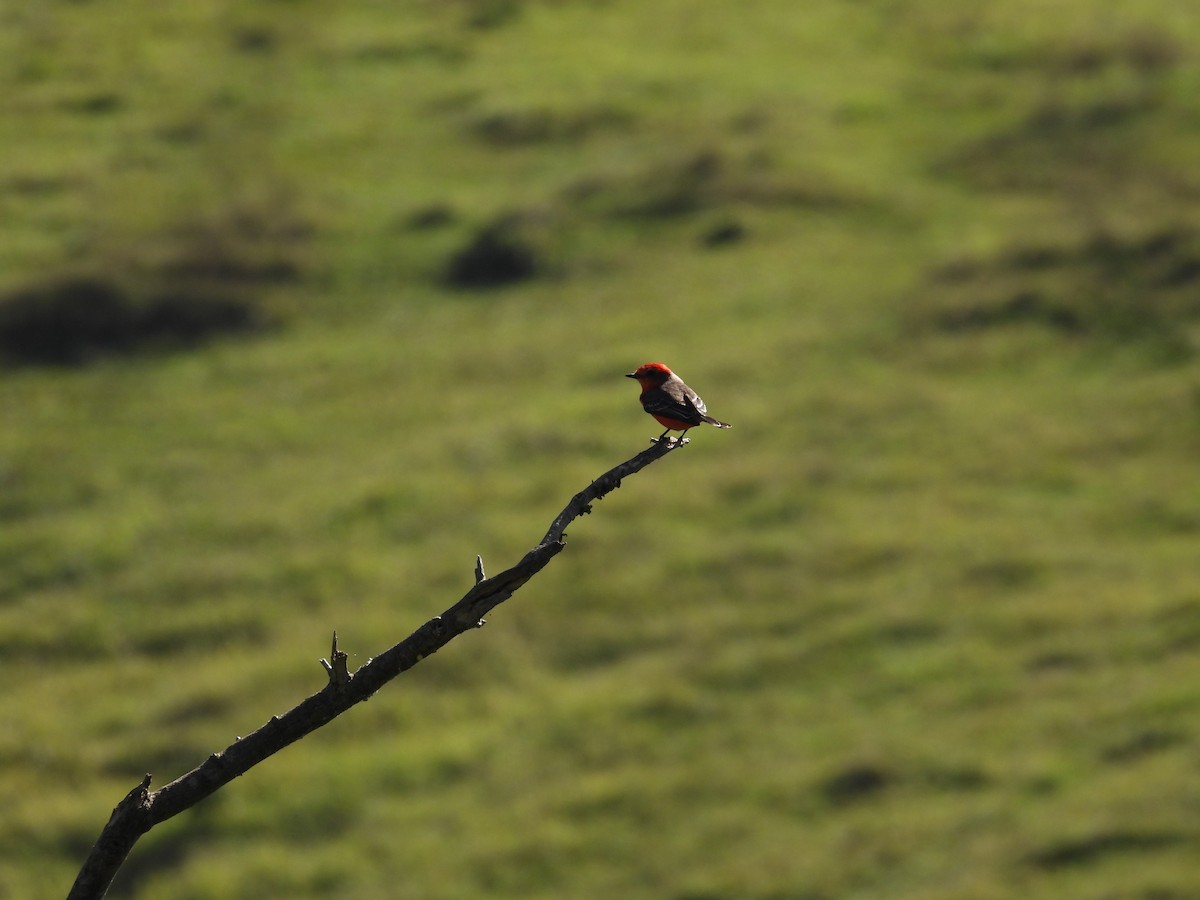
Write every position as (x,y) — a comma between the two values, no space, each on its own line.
(924,625)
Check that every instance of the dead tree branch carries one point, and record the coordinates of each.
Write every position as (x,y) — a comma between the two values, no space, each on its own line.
(142,809)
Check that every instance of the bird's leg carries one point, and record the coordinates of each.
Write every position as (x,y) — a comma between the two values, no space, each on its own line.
(660,437)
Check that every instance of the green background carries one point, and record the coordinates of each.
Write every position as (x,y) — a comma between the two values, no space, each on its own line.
(924,624)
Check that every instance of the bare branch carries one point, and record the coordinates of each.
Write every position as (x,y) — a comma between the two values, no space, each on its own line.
(142,809)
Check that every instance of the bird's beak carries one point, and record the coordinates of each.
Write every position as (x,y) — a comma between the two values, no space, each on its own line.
(631,375)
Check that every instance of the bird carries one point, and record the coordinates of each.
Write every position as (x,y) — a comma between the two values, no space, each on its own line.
(675,405)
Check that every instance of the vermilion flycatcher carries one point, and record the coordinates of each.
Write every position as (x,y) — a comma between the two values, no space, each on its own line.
(675,405)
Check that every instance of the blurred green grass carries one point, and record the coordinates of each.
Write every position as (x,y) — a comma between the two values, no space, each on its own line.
(922,625)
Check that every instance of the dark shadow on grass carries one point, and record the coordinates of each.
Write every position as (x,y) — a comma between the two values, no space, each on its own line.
(855,783)
(1141,744)
(518,127)
(1087,127)
(511,249)
(1119,288)
(74,321)
(1102,844)
(689,182)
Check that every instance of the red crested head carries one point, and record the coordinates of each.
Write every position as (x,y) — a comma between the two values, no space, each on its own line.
(650,374)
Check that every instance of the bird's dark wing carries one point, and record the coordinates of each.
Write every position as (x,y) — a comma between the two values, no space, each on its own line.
(673,403)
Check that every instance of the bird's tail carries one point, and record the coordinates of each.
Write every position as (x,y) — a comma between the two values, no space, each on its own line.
(711,421)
